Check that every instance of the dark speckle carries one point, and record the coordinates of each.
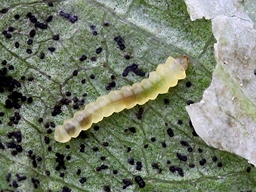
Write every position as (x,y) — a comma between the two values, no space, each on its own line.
(127,183)
(170,132)
(127,56)
(71,18)
(4,32)
(21,178)
(200,150)
(184,143)
(11,29)
(66,189)
(140,181)
(179,122)
(180,171)
(93,27)
(8,177)
(188,84)
(99,50)
(42,55)
(120,42)
(153,139)
(83,58)
(155,165)
(96,128)
(30,41)
(4,62)
(82,180)
(107,188)
(214,158)
(30,78)
(166,101)
(106,24)
(189,102)
(32,33)
(16,44)
(115,172)
(29,51)
(33,19)
(35,182)
(68,93)
(51,49)
(50,4)
(4,10)
(82,147)
(8,35)
(15,184)
(138,166)
(19,148)
(93,58)
(202,161)
(173,169)
(131,161)
(163,144)
(134,68)
(49,19)
(83,81)
(46,140)
(16,17)
(92,76)
(47,173)
(56,37)
(110,85)
(181,157)
(78,172)
(65,15)
(40,120)
(132,129)
(75,72)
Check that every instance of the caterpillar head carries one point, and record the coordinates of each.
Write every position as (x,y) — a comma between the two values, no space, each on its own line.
(183,61)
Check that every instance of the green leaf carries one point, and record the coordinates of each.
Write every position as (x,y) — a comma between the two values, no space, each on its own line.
(127,147)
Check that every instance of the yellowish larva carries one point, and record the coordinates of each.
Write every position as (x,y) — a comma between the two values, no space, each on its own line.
(159,82)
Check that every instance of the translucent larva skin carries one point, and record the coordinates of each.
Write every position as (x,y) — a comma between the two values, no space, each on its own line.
(159,82)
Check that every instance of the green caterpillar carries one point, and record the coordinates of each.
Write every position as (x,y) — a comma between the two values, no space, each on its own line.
(159,82)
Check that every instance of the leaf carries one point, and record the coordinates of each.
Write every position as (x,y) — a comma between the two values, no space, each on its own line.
(226,116)
(148,148)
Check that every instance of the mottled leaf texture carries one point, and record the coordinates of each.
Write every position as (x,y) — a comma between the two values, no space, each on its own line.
(59,56)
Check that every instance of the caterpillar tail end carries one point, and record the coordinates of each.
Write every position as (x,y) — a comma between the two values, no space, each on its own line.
(61,135)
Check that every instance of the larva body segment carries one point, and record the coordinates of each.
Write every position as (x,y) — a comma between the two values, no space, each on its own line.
(159,82)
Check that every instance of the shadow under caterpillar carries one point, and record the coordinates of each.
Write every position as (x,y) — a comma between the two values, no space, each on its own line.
(158,82)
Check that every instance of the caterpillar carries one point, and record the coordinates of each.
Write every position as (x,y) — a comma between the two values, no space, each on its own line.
(158,82)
